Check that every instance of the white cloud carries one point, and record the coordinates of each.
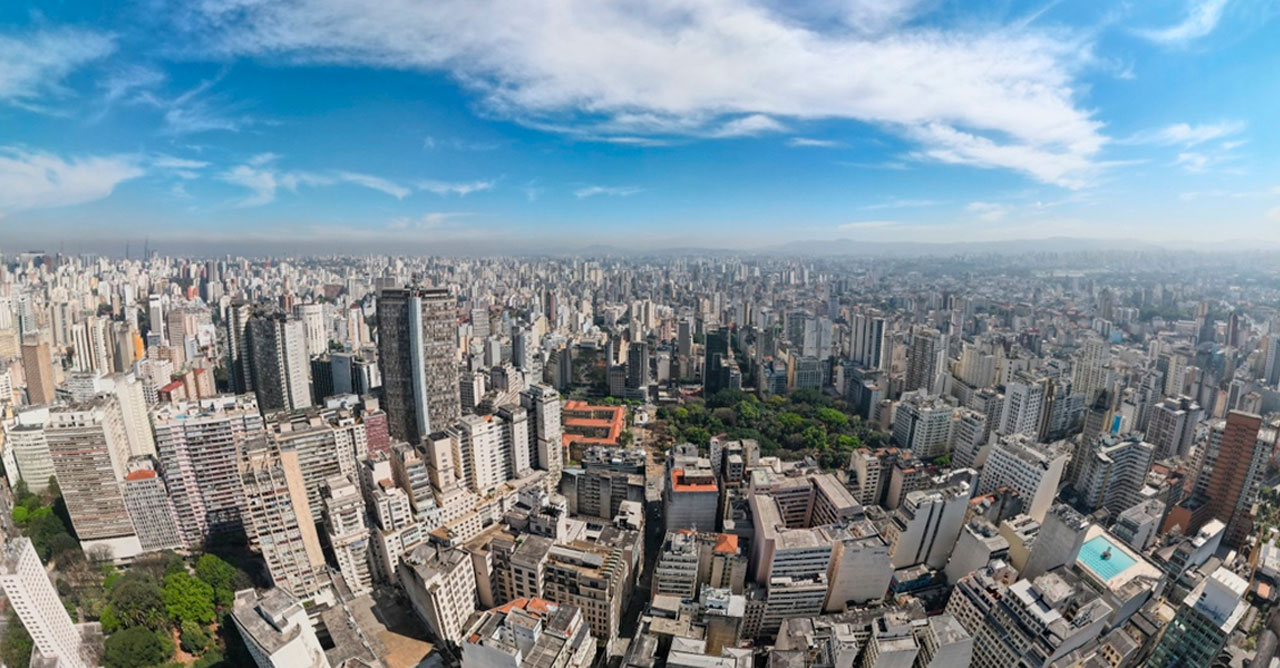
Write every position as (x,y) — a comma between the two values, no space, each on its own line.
(260,176)
(38,180)
(689,67)
(428,221)
(33,66)
(459,188)
(1274,214)
(807,142)
(611,191)
(1202,17)
(1186,134)
(897,203)
(869,225)
(988,211)
(748,126)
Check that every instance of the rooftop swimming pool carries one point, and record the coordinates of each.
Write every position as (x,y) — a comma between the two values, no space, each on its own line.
(1091,555)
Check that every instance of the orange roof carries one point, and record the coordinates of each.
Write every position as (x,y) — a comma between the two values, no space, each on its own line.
(140,474)
(727,543)
(679,485)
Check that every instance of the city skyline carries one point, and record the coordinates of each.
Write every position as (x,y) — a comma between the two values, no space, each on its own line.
(295,127)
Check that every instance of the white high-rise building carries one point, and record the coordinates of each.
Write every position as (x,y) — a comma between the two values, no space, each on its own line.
(276,630)
(1023,400)
(33,597)
(482,453)
(344,518)
(1034,470)
(315,329)
(867,340)
(922,424)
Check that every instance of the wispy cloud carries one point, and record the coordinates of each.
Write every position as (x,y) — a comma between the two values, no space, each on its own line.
(40,180)
(263,179)
(459,188)
(1201,18)
(897,203)
(431,143)
(1187,134)
(748,126)
(428,221)
(995,97)
(988,211)
(610,191)
(33,66)
(808,142)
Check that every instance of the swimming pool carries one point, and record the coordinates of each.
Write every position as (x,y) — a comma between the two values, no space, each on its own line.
(1091,556)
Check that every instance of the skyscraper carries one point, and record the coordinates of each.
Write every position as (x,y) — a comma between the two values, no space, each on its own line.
(546,437)
(33,597)
(417,345)
(239,371)
(1234,463)
(867,340)
(281,369)
(90,453)
(282,525)
(1204,621)
(922,360)
(198,445)
(37,366)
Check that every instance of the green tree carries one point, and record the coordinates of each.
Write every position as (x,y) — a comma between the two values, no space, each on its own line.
(194,639)
(209,660)
(21,515)
(833,418)
(188,599)
(137,647)
(15,648)
(223,577)
(138,601)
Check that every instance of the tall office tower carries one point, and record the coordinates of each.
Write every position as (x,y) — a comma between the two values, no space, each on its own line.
(122,347)
(1032,469)
(923,425)
(684,337)
(150,508)
(90,451)
(276,630)
(239,361)
(89,341)
(1089,373)
(33,597)
(638,366)
(1235,461)
(1205,620)
(314,327)
(280,519)
(417,347)
(1113,472)
(715,369)
(278,358)
(522,344)
(1172,427)
(155,316)
(867,340)
(344,521)
(546,437)
(1271,360)
(483,455)
(1023,402)
(922,360)
(37,368)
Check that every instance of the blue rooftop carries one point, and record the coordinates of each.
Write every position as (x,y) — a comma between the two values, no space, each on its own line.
(1105,558)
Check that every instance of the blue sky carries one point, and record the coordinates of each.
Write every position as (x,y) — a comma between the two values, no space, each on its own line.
(669,122)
